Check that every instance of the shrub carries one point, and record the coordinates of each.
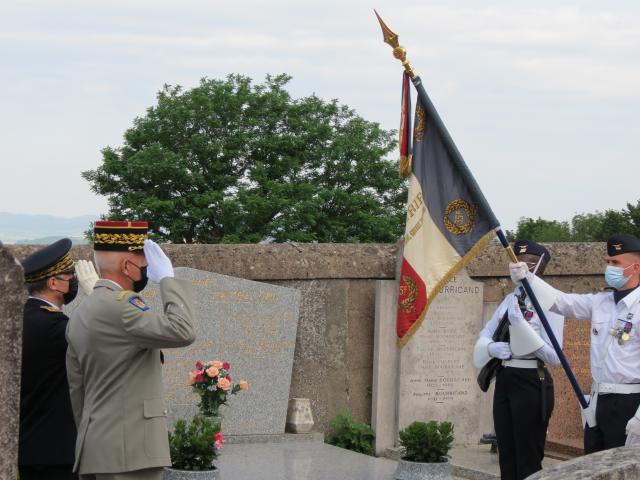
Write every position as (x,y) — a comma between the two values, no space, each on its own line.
(194,445)
(427,442)
(351,435)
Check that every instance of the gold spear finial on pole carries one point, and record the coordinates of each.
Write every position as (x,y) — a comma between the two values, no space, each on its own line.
(399,52)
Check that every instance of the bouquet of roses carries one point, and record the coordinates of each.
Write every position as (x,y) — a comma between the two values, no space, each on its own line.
(212,382)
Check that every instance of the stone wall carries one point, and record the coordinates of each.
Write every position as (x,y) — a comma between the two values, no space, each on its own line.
(13,297)
(334,347)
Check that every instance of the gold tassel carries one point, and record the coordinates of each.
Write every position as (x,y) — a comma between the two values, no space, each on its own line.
(405,165)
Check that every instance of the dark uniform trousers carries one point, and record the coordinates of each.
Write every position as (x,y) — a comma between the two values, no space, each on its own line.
(612,414)
(47,430)
(519,420)
(48,472)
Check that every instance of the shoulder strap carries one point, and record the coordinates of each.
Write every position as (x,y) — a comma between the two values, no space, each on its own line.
(502,332)
(122,294)
(50,309)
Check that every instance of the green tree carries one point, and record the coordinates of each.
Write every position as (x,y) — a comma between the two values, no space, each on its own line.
(541,230)
(632,215)
(583,227)
(230,161)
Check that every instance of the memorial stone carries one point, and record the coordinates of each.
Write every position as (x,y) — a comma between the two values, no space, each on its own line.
(252,326)
(13,297)
(437,376)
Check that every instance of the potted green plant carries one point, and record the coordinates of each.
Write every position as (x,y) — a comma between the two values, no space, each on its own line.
(427,451)
(196,444)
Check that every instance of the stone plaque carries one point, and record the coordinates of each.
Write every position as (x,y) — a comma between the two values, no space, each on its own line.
(437,376)
(252,326)
(13,296)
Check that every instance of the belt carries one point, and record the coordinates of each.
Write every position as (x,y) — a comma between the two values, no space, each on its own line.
(604,388)
(520,363)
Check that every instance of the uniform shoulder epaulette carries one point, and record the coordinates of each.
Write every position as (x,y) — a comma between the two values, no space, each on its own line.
(50,309)
(123,294)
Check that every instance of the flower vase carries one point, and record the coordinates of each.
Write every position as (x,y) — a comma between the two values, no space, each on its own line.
(299,417)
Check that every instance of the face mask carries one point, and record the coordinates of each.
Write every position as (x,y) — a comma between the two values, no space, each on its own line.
(615,278)
(138,285)
(72,292)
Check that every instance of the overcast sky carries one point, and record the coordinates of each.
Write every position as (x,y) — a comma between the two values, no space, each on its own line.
(541,97)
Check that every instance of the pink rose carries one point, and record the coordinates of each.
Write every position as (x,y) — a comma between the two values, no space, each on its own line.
(226,365)
(243,385)
(198,365)
(218,439)
(228,377)
(217,364)
(191,379)
(199,378)
(224,384)
(212,371)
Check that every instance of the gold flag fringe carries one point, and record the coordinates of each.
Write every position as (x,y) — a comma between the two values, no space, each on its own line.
(405,165)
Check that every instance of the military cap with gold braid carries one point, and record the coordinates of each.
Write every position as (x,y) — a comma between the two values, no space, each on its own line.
(119,236)
(48,262)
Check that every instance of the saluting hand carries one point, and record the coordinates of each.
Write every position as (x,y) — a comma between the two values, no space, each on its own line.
(87,276)
(501,350)
(159,264)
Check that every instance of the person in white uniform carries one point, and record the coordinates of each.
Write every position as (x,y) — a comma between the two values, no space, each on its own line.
(523,398)
(612,418)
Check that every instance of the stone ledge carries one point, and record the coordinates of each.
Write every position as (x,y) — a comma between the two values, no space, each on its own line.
(275,438)
(305,261)
(275,261)
(615,464)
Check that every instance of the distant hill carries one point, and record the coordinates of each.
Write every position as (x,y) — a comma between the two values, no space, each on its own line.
(27,228)
(48,240)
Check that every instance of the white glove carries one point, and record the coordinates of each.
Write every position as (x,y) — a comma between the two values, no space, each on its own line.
(515,314)
(500,350)
(633,432)
(159,264)
(87,276)
(518,271)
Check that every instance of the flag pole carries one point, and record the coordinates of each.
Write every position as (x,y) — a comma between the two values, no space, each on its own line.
(399,52)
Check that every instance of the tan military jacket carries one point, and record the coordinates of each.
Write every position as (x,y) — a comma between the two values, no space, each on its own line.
(114,371)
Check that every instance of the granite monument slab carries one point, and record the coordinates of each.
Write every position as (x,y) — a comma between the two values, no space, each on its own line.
(252,326)
(437,376)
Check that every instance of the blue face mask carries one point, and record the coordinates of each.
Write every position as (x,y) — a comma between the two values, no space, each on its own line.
(615,278)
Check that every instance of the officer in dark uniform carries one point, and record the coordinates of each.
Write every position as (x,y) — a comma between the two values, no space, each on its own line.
(47,429)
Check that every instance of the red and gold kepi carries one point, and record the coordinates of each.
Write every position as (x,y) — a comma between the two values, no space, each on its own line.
(119,236)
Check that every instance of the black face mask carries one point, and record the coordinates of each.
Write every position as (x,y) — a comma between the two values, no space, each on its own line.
(138,285)
(72,292)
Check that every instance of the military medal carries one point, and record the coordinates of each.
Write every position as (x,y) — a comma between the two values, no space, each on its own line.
(623,331)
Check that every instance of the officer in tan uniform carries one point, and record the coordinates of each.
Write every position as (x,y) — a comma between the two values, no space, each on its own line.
(113,358)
